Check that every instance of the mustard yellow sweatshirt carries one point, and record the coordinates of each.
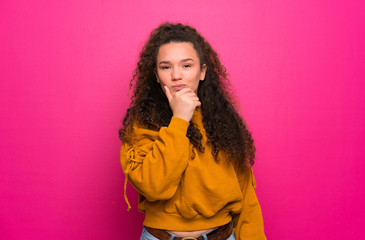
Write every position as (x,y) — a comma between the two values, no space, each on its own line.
(182,190)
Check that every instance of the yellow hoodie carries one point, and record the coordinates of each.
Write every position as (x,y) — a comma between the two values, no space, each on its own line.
(182,189)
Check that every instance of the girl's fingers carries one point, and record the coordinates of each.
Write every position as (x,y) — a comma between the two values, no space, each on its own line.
(168,93)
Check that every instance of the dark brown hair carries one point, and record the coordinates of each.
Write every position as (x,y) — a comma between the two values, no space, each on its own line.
(225,129)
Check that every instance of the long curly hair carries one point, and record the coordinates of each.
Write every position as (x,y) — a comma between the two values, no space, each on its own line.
(225,129)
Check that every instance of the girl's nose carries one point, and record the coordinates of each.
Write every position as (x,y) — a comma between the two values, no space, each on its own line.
(176,75)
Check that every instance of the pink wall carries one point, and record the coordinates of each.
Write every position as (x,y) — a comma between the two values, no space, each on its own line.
(298,69)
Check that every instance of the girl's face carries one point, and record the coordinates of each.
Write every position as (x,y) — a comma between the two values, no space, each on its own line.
(178,67)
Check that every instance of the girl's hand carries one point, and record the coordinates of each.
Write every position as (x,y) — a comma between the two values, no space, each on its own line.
(183,103)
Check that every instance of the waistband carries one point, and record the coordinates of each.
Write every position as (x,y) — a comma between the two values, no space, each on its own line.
(220,233)
(172,221)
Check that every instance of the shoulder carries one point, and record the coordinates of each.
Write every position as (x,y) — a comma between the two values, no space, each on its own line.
(138,132)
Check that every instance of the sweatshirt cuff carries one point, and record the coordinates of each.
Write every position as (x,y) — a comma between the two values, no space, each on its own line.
(179,124)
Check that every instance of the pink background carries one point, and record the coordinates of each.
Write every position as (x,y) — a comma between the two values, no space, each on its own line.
(298,70)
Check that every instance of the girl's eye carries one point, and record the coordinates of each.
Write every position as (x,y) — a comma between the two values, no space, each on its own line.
(186,65)
(165,67)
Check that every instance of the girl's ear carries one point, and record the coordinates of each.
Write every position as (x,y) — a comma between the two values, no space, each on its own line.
(155,71)
(203,71)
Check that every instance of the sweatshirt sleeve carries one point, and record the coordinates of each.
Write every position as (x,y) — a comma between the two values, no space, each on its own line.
(248,225)
(156,161)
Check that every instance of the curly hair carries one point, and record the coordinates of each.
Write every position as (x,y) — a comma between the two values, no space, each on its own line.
(226,131)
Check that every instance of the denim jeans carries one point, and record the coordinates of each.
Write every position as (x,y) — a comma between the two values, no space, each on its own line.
(148,236)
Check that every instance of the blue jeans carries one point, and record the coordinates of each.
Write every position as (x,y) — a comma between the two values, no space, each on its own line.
(148,236)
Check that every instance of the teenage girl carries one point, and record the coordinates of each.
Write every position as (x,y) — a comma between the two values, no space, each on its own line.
(185,148)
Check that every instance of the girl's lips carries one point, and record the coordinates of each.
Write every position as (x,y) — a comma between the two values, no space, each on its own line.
(178,87)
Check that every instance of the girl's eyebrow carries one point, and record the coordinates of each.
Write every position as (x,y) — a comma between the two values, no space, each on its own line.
(187,59)
(183,60)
